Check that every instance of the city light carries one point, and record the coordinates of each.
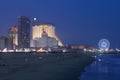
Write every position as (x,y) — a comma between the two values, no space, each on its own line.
(35,19)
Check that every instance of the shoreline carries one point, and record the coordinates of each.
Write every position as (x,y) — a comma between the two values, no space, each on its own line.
(64,66)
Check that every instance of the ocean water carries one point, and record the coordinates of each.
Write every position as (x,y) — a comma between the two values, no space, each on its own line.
(107,67)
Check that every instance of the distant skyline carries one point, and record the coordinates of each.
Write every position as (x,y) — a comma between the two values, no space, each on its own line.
(76,21)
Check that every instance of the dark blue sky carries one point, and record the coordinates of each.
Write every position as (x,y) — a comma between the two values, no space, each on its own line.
(77,21)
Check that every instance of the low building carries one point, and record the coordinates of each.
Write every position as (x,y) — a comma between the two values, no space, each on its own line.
(81,46)
(3,42)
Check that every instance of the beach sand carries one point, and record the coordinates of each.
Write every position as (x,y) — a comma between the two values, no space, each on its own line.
(43,66)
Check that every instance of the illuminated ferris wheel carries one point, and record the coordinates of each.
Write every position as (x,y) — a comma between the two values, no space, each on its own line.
(104,44)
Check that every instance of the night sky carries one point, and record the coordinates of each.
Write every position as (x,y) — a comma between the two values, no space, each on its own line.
(76,21)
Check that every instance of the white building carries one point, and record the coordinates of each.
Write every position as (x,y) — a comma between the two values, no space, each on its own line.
(44,42)
(50,30)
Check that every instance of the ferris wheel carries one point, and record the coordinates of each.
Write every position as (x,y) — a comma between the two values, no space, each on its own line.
(104,44)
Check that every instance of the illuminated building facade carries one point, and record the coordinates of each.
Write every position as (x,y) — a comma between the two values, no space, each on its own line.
(13,34)
(23,32)
(50,30)
(44,42)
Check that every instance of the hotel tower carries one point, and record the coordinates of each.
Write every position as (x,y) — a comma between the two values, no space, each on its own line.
(23,32)
(50,30)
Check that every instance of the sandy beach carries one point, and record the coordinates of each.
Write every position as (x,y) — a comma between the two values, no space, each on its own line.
(43,66)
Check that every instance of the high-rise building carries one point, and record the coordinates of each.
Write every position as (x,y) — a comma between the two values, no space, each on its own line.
(44,42)
(50,30)
(23,32)
(13,35)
